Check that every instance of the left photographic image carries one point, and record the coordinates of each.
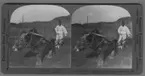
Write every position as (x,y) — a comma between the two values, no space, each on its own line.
(38,36)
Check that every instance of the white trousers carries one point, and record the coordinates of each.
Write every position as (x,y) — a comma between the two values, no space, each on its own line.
(59,38)
(122,37)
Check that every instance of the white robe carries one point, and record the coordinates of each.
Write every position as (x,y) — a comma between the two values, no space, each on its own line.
(123,33)
(60,32)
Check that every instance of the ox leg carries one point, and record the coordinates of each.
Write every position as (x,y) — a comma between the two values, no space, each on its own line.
(49,55)
(111,56)
(100,61)
(38,62)
(53,51)
(115,50)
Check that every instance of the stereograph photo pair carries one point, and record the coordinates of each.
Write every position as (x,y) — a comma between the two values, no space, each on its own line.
(72,38)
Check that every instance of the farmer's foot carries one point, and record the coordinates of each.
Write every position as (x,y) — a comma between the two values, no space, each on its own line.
(57,46)
(120,47)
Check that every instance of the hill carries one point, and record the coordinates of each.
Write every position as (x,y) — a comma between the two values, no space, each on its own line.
(108,29)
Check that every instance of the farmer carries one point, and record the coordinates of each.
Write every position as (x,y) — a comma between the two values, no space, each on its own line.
(123,32)
(60,33)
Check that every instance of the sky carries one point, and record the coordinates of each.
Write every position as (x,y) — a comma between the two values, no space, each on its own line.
(30,13)
(99,13)
(95,13)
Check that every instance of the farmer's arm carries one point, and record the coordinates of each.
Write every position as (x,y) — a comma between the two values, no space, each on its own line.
(65,31)
(56,29)
(128,31)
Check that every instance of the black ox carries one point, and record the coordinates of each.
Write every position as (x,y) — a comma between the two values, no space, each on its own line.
(38,45)
(98,43)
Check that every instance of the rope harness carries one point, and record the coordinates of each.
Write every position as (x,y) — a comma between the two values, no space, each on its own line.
(28,44)
(94,39)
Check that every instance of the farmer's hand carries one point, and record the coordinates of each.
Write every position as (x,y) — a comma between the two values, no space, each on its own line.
(130,36)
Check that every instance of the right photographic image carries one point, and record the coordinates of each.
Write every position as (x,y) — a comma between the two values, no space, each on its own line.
(102,37)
